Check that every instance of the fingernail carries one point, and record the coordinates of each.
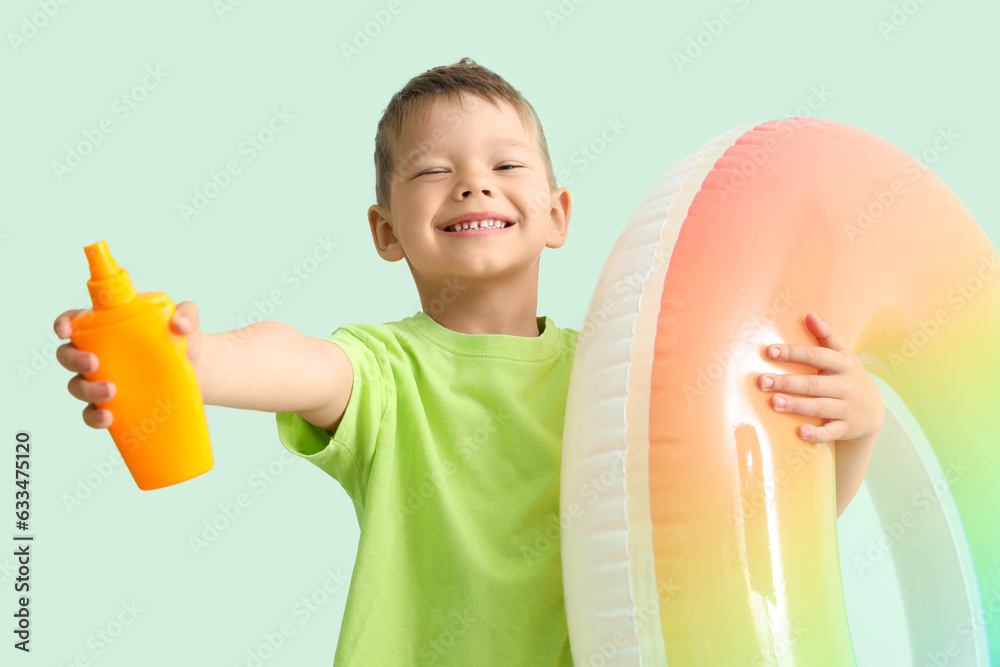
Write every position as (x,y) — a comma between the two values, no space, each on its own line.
(773,352)
(182,322)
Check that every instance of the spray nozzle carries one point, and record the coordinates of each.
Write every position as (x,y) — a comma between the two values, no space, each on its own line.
(102,264)
(109,284)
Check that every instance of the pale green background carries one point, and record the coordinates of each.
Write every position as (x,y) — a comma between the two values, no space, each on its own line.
(607,60)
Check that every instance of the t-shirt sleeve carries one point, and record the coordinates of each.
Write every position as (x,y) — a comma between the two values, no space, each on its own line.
(347,453)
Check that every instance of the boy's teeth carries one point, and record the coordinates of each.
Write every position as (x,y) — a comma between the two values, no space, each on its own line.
(476,224)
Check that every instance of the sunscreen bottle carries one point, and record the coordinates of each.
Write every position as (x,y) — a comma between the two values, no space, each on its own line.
(159,423)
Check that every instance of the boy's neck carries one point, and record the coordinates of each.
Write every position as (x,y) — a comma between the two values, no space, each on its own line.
(493,313)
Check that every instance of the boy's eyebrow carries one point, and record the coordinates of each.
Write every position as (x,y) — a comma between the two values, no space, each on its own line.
(511,143)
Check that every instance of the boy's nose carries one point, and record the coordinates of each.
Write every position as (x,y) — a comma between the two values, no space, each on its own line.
(474,180)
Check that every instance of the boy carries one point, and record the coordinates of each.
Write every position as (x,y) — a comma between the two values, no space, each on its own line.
(445,428)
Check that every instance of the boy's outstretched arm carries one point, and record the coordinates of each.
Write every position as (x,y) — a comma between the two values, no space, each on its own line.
(266,366)
(272,367)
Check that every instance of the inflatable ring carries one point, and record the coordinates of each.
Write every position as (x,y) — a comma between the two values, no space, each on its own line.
(697,527)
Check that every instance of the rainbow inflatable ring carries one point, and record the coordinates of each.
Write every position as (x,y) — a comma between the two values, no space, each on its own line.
(697,527)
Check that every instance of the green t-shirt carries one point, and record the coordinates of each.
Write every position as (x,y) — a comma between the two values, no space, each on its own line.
(450,450)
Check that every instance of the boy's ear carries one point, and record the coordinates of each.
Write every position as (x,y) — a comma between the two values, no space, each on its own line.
(562,208)
(385,240)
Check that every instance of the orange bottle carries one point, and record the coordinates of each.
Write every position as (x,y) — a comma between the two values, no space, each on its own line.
(159,420)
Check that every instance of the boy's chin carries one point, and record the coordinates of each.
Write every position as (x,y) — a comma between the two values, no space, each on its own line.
(498,276)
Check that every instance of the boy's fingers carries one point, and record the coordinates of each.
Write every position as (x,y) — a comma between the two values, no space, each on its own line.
(185,317)
(90,392)
(96,417)
(62,326)
(74,359)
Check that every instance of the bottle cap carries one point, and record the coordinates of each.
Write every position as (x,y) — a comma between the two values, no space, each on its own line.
(109,284)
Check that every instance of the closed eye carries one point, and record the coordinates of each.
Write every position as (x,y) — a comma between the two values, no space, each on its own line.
(441,171)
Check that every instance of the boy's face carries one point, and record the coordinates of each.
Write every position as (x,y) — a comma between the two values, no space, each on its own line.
(469,160)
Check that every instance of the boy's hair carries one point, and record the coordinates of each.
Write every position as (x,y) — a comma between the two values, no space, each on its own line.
(451,81)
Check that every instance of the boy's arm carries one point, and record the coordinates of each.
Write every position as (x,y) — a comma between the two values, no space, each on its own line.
(270,366)
(852,457)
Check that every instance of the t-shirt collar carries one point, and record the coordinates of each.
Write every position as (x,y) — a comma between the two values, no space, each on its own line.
(500,345)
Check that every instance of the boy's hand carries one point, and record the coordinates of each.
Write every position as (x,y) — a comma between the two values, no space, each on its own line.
(184,322)
(847,399)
